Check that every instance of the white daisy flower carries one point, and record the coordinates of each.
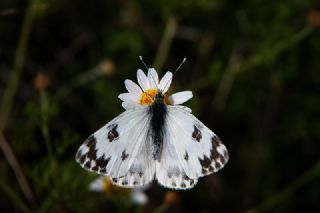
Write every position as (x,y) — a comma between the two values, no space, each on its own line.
(144,93)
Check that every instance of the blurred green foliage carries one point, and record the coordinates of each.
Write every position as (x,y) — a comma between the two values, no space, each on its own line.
(253,68)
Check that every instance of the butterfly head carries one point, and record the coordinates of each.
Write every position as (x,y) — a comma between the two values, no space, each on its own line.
(148,97)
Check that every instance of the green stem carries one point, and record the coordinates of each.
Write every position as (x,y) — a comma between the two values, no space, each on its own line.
(288,191)
(80,80)
(170,30)
(269,54)
(260,57)
(16,71)
(44,123)
(13,196)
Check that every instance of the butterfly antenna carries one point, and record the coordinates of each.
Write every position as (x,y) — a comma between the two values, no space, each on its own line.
(182,62)
(141,59)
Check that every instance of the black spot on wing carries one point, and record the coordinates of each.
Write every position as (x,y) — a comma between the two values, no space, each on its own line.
(87,164)
(186,156)
(86,158)
(136,169)
(91,143)
(91,154)
(214,157)
(124,155)
(215,142)
(185,177)
(205,162)
(113,133)
(80,158)
(95,168)
(100,165)
(217,165)
(133,178)
(204,171)
(102,162)
(180,181)
(197,135)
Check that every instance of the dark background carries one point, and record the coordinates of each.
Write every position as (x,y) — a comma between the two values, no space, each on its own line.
(253,67)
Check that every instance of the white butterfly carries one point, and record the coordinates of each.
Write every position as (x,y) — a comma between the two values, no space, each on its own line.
(155,138)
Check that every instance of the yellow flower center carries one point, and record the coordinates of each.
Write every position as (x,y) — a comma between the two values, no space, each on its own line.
(111,190)
(147,97)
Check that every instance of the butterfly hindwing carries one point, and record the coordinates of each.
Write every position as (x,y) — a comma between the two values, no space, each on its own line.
(190,151)
(170,172)
(119,150)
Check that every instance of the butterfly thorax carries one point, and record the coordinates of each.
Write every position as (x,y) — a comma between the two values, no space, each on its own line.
(158,111)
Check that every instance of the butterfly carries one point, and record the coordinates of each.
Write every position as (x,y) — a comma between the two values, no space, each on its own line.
(155,138)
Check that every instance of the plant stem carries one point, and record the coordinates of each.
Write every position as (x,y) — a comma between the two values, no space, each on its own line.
(256,59)
(16,71)
(13,162)
(44,122)
(164,46)
(80,80)
(14,197)
(288,191)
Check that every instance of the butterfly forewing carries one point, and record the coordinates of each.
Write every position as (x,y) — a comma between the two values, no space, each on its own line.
(120,150)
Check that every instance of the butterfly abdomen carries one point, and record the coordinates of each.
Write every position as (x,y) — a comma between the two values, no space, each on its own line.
(158,112)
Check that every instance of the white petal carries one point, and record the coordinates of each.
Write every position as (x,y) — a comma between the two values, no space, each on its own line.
(180,97)
(143,80)
(132,87)
(138,197)
(97,185)
(129,104)
(165,82)
(184,108)
(153,78)
(129,97)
